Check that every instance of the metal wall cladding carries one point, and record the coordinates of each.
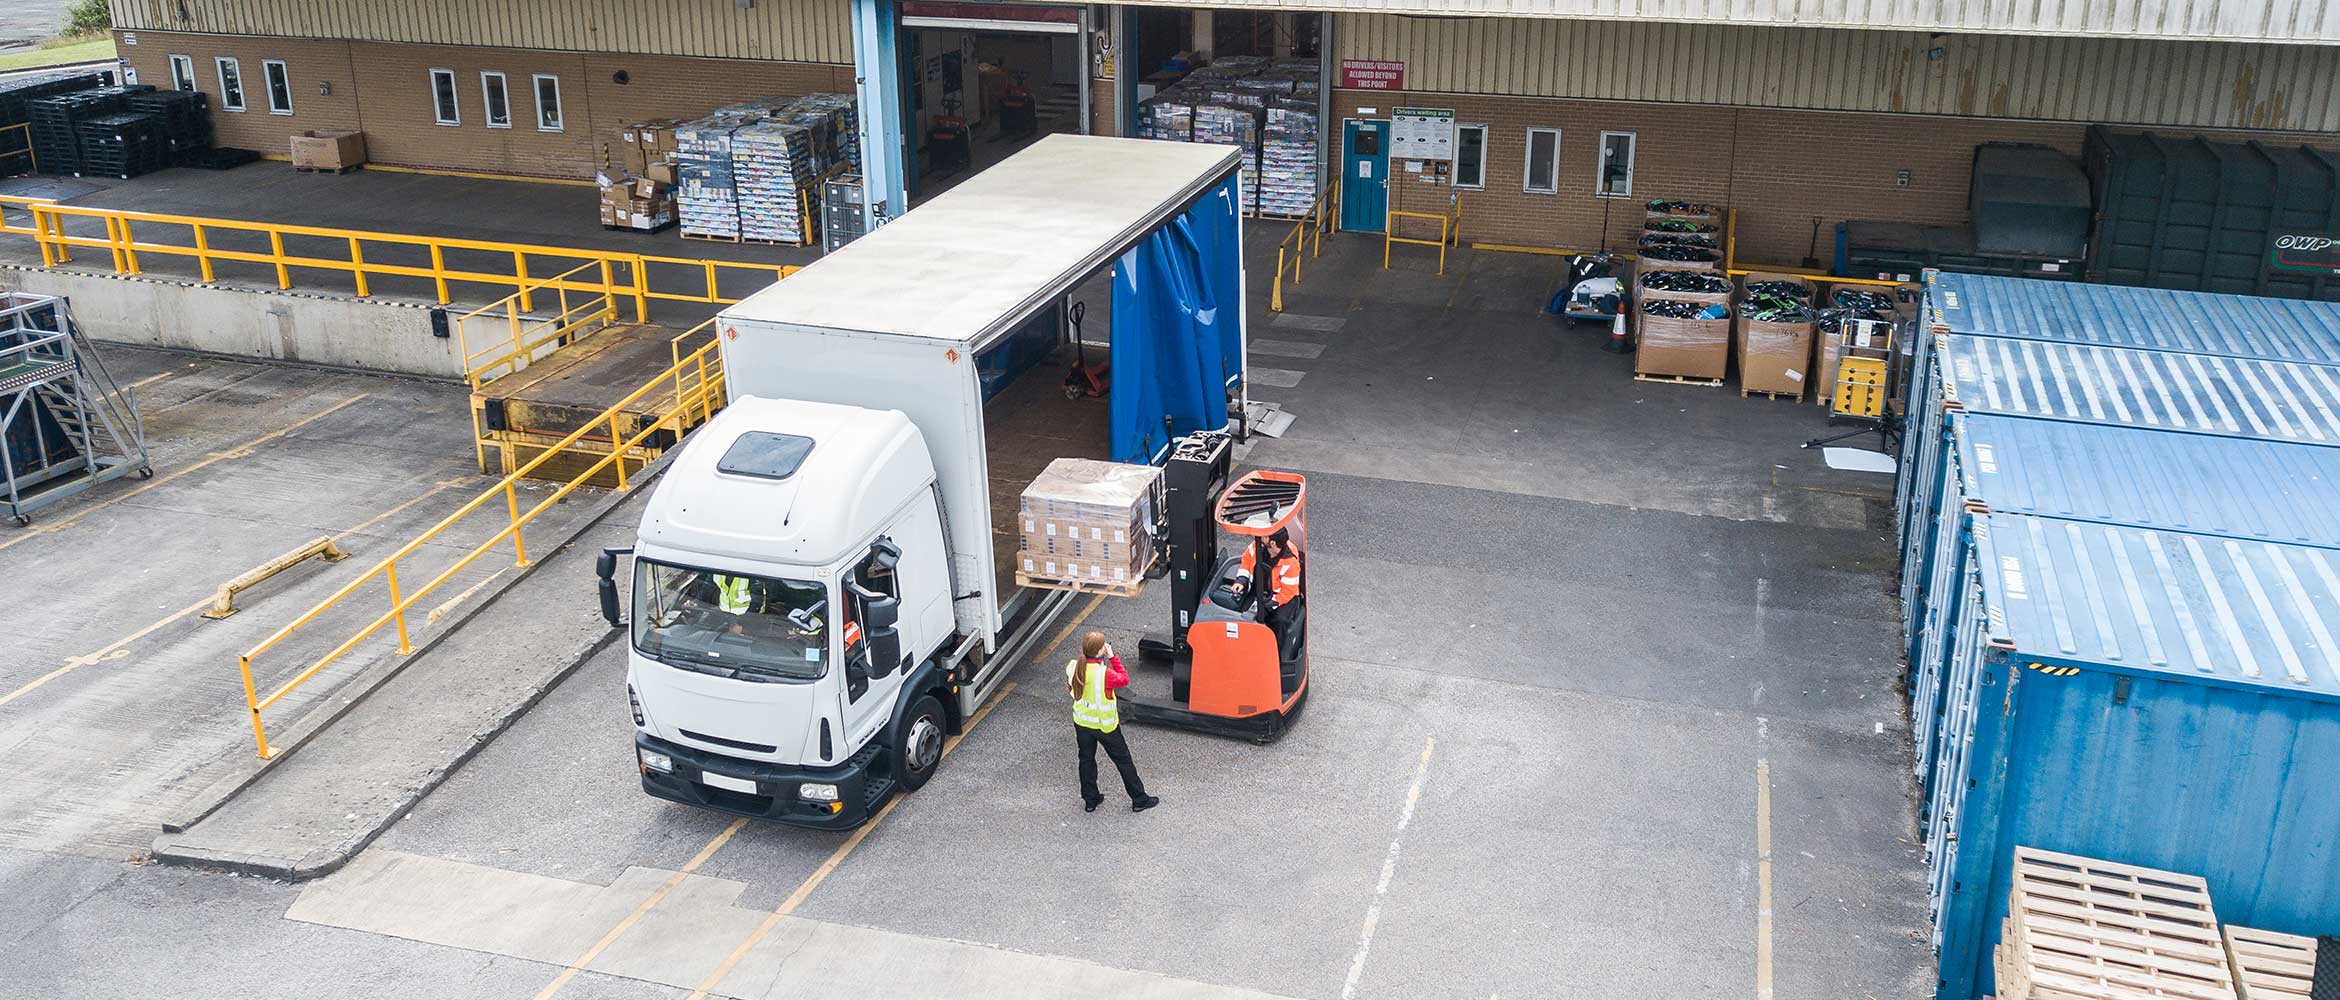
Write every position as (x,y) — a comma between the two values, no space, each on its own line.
(2191,213)
(2301,21)
(2165,699)
(787,30)
(2157,319)
(2189,83)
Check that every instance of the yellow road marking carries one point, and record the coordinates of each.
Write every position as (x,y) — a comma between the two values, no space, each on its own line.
(441,487)
(151,379)
(837,857)
(238,451)
(116,648)
(441,611)
(1763,880)
(640,911)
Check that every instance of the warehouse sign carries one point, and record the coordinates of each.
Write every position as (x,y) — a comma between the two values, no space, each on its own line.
(2307,252)
(1373,74)
(1421,133)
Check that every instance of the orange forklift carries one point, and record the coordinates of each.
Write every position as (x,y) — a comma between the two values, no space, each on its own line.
(1238,657)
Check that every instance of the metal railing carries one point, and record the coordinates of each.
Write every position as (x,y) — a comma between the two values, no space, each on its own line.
(510,338)
(697,379)
(59,230)
(1449,233)
(1296,243)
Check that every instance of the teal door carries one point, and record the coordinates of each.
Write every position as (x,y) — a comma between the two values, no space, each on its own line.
(1364,175)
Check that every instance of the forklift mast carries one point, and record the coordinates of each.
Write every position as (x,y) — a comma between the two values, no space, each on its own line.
(1196,472)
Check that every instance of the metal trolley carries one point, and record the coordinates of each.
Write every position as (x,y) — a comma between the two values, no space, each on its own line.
(65,425)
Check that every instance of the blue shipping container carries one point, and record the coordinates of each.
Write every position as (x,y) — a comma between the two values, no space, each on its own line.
(2162,699)
(2154,319)
(2193,483)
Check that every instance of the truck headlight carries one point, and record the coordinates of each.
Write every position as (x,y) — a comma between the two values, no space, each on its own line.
(817,793)
(634,702)
(655,761)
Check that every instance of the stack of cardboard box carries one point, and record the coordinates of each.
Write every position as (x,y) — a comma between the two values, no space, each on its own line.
(638,176)
(1088,525)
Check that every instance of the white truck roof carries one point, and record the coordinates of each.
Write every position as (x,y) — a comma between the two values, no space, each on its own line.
(976,260)
(864,465)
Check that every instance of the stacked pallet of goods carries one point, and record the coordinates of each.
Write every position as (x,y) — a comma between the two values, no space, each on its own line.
(1683,318)
(1087,525)
(1681,234)
(1268,108)
(1774,321)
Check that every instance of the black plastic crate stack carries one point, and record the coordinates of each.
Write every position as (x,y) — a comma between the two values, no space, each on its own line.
(185,117)
(57,121)
(124,145)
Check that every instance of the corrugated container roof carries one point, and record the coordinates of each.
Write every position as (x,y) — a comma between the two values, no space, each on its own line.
(2198,393)
(2159,319)
(2190,607)
(2265,490)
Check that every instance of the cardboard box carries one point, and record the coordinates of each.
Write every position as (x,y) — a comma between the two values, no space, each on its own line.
(328,149)
(1686,348)
(1773,357)
(1088,521)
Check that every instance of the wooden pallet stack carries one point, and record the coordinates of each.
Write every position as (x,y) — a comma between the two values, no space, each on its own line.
(2082,929)
(2271,966)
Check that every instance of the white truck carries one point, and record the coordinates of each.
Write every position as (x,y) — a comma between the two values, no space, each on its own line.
(819,598)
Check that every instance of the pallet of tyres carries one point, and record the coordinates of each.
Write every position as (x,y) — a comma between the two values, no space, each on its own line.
(1683,321)
(1775,319)
(705,198)
(123,145)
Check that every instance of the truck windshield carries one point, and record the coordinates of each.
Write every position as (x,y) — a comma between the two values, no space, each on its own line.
(729,624)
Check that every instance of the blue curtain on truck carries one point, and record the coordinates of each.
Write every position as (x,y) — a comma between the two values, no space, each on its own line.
(1177,328)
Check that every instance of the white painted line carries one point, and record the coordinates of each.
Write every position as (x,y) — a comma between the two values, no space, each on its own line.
(1388,871)
(1281,378)
(1285,348)
(1763,879)
(1320,324)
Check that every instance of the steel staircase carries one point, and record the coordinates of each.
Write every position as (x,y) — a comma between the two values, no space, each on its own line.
(65,423)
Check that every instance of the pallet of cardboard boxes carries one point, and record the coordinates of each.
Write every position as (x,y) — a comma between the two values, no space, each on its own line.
(1773,321)
(637,177)
(1682,319)
(1088,525)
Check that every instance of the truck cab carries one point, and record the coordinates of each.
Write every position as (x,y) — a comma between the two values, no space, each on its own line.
(790,593)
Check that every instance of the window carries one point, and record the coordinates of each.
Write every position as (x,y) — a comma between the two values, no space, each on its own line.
(1616,180)
(1470,156)
(752,628)
(498,100)
(183,73)
(231,84)
(279,86)
(1543,161)
(548,103)
(443,97)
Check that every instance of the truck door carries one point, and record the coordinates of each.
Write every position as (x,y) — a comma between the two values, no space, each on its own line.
(868,697)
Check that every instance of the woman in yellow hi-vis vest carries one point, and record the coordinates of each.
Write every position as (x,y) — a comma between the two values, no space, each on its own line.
(1091,681)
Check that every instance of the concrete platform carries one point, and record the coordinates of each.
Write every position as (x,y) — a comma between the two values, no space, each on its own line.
(1577,640)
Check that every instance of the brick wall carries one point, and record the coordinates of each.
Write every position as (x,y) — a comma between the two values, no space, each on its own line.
(1783,170)
(385,90)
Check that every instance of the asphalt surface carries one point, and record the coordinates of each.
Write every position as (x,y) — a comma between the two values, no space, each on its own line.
(1573,637)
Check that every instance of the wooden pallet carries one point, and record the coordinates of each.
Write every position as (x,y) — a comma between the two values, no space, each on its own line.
(644,232)
(2082,929)
(1675,379)
(322,170)
(710,238)
(772,243)
(2271,966)
(1792,397)
(1125,588)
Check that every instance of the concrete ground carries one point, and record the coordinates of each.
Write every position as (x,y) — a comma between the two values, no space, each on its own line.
(1602,704)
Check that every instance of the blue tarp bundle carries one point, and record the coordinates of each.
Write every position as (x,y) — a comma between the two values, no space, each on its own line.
(1177,328)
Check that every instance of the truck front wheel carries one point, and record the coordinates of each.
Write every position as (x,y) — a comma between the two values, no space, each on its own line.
(919,748)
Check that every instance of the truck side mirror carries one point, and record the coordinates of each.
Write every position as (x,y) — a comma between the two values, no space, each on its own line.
(878,605)
(605,567)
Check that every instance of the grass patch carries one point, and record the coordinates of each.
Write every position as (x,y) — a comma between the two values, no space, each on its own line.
(101,47)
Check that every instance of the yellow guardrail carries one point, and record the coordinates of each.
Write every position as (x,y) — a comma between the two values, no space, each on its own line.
(1314,221)
(1449,233)
(698,381)
(519,338)
(127,235)
(23,130)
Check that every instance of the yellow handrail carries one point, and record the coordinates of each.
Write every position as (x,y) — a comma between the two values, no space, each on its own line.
(127,234)
(696,397)
(1446,228)
(522,336)
(1312,221)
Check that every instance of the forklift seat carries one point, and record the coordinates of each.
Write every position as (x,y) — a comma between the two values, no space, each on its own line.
(1289,644)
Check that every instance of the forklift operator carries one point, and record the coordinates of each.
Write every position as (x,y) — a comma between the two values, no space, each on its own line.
(1283,595)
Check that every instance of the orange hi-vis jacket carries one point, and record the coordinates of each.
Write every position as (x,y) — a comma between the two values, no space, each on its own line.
(1287,580)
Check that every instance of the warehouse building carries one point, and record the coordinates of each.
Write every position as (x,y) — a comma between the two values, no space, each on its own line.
(1551,123)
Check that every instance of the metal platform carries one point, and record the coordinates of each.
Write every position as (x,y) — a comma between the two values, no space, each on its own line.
(65,425)
(518,416)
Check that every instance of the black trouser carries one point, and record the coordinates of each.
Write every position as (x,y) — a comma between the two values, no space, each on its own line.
(1279,620)
(1116,748)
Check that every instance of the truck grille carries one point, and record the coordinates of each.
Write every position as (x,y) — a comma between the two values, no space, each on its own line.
(734,744)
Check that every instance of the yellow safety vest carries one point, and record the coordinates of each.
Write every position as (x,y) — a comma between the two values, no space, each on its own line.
(731,594)
(1091,709)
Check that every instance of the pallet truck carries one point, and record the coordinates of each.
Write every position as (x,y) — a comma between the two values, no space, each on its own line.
(1230,673)
(947,145)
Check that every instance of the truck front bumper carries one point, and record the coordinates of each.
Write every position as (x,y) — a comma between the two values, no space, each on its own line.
(776,795)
